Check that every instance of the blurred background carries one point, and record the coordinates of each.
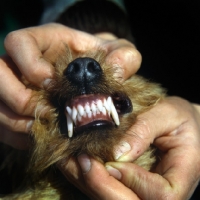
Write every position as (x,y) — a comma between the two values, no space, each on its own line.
(167,33)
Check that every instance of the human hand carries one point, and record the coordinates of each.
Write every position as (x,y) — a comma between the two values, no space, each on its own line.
(29,52)
(173,126)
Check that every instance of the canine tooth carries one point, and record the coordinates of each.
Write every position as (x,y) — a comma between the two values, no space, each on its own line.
(69,110)
(80,110)
(99,105)
(87,108)
(104,110)
(69,126)
(114,114)
(74,114)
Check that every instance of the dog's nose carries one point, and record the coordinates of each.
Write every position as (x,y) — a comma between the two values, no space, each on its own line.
(83,70)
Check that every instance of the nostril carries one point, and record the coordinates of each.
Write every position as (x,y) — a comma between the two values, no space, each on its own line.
(76,68)
(92,70)
(91,67)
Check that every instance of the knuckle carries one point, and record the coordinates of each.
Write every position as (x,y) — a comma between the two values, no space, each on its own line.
(141,129)
(13,38)
(23,105)
(16,126)
(35,72)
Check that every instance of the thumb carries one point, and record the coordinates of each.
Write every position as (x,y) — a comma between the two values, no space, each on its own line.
(100,184)
(150,126)
(145,184)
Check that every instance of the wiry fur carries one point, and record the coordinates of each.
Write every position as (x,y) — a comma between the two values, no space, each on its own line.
(51,144)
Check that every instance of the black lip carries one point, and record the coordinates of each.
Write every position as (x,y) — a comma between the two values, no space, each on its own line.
(95,125)
(122,103)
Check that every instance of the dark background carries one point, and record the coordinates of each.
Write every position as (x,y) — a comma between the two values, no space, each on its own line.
(167,34)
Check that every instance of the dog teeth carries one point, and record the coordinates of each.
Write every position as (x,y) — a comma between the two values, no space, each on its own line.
(69,126)
(105,104)
(104,110)
(89,114)
(79,117)
(114,114)
(93,108)
(87,108)
(74,114)
(100,105)
(109,102)
(69,110)
(80,110)
(90,110)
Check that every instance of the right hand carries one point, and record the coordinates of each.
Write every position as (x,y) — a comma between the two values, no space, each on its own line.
(173,126)
(29,52)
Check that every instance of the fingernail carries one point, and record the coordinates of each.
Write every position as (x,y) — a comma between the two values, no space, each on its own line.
(123,148)
(46,82)
(84,162)
(29,125)
(114,172)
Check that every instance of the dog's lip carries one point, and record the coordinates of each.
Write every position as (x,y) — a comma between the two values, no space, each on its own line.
(97,124)
(89,110)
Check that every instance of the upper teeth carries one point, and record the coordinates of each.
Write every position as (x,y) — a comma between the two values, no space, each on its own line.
(76,113)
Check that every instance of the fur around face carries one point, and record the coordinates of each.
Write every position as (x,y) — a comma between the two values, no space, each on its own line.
(50,139)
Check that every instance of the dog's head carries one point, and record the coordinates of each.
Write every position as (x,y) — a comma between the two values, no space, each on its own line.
(91,110)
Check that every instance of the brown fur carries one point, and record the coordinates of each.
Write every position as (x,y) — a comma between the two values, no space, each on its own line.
(51,144)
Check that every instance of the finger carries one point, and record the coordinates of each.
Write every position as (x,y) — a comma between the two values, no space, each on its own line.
(13,121)
(99,182)
(150,125)
(125,57)
(31,48)
(71,170)
(13,92)
(33,45)
(151,185)
(16,140)
(25,49)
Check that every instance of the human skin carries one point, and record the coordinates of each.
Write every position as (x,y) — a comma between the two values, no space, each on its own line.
(175,131)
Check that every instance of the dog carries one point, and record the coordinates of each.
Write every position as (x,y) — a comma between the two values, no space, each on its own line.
(88,110)
(91,111)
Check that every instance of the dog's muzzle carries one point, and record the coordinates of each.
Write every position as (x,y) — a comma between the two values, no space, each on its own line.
(89,110)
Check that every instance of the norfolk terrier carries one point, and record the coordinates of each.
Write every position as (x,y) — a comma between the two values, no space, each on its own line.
(90,111)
